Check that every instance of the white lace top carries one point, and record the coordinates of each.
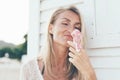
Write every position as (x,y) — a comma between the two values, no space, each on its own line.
(31,71)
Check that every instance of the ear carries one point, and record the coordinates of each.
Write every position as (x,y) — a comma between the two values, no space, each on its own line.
(50,28)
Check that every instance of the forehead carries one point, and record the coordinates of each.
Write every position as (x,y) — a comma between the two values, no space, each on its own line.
(69,15)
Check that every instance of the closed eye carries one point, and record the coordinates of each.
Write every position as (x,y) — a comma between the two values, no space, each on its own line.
(78,28)
(65,24)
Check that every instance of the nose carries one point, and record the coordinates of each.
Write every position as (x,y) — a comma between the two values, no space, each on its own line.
(71,28)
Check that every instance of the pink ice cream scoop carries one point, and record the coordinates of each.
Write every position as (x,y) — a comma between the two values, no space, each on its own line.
(77,39)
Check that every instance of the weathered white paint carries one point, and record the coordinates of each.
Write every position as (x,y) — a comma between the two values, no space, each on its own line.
(108,74)
(105,62)
(106,33)
(103,52)
(48,4)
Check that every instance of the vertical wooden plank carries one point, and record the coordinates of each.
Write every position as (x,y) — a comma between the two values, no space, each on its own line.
(34,23)
(107,33)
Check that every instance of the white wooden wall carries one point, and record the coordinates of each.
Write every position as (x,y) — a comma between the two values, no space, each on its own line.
(103,31)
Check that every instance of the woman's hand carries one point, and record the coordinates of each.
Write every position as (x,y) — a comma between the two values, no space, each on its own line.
(81,61)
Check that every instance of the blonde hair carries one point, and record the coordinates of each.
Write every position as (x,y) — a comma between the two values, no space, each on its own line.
(48,52)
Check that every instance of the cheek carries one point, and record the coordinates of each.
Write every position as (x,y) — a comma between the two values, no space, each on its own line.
(57,36)
(58,33)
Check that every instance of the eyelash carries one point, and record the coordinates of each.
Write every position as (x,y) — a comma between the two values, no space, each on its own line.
(78,28)
(65,24)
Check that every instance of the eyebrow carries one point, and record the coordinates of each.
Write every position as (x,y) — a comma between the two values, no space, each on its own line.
(66,19)
(78,23)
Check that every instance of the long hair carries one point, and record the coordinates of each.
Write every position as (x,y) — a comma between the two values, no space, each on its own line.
(47,51)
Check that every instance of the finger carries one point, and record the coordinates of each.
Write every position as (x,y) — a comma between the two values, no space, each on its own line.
(71,44)
(82,52)
(71,54)
(72,50)
(71,60)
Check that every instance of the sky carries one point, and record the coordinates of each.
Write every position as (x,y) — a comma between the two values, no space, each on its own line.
(14,18)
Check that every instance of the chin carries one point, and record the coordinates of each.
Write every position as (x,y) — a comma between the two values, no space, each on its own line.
(66,44)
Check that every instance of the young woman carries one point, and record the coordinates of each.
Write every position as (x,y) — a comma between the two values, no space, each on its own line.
(59,59)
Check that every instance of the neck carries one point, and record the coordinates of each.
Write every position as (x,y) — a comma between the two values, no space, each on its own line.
(61,54)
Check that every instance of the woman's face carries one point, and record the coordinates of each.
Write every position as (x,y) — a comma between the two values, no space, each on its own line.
(65,23)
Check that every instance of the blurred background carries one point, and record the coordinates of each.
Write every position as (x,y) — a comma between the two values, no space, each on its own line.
(13,37)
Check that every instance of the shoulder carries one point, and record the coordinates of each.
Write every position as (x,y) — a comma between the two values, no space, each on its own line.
(36,63)
(29,62)
(26,69)
(27,66)
(30,70)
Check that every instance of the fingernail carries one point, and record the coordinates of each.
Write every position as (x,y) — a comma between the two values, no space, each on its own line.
(70,59)
(68,41)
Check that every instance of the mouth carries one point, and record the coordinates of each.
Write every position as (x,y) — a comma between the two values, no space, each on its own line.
(69,37)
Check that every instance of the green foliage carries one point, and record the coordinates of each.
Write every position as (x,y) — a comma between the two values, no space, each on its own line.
(2,52)
(17,52)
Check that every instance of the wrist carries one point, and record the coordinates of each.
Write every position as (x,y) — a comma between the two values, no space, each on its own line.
(91,76)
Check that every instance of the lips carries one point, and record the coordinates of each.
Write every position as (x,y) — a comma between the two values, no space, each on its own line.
(69,37)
